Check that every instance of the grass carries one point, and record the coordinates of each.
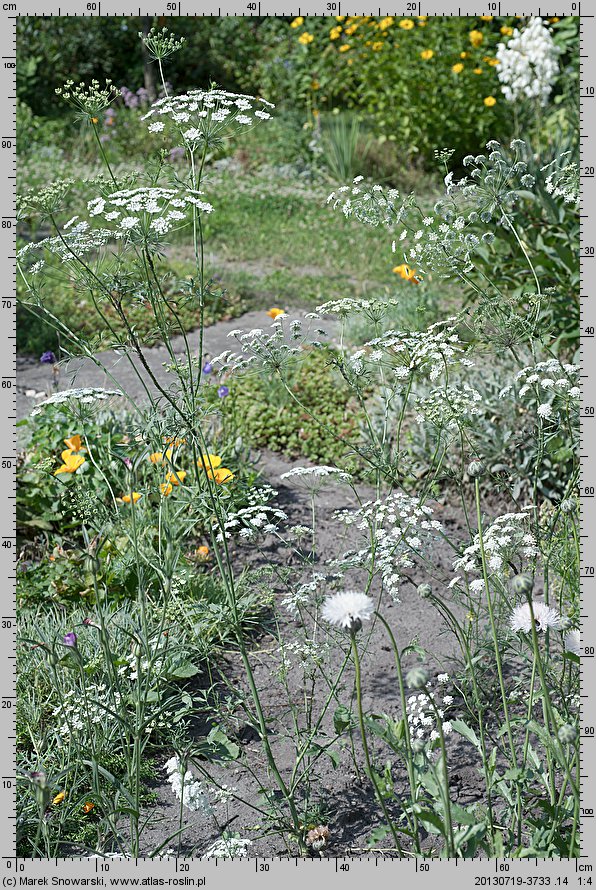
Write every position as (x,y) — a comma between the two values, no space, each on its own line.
(260,253)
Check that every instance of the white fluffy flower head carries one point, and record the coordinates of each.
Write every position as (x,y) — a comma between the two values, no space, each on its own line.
(545,618)
(348,609)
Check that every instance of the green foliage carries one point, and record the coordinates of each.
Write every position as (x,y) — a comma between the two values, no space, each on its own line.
(270,418)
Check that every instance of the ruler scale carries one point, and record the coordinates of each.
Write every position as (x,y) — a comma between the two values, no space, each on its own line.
(347,871)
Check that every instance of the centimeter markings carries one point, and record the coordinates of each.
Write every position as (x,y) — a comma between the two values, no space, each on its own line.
(572,873)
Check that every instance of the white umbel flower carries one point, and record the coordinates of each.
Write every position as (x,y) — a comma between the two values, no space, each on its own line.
(348,609)
(545,618)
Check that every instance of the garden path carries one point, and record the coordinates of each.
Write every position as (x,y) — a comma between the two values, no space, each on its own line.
(34,380)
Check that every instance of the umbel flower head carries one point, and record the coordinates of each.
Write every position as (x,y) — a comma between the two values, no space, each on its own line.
(348,609)
(545,618)
(202,117)
(89,100)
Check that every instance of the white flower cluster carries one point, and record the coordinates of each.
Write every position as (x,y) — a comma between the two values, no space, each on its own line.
(305,595)
(451,407)
(374,309)
(74,242)
(421,715)
(444,245)
(185,787)
(76,710)
(250,523)
(266,349)
(563,181)
(409,353)
(401,526)
(551,386)
(507,538)
(528,63)
(156,210)
(313,479)
(200,115)
(545,618)
(373,205)
(228,847)
(87,395)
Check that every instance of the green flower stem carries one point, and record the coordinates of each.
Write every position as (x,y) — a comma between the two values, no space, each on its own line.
(369,766)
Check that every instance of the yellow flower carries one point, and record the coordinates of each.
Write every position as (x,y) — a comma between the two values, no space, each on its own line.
(458,68)
(133,497)
(554,19)
(351,30)
(490,101)
(464,55)
(340,18)
(476,38)
(88,806)
(210,461)
(177,477)
(298,22)
(487,18)
(386,23)
(202,552)
(344,48)
(407,273)
(175,443)
(350,61)
(377,45)
(422,24)
(406,24)
(156,457)
(492,62)
(334,33)
(314,85)
(70,462)
(275,310)
(477,70)
(507,31)
(427,54)
(305,38)
(74,443)
(422,18)
(59,797)
(220,475)
(94,120)
(166,489)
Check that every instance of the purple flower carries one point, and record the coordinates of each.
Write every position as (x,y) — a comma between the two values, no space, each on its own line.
(70,639)
(127,463)
(207,368)
(223,391)
(48,358)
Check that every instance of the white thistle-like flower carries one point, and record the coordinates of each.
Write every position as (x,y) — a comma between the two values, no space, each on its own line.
(573,642)
(348,609)
(545,618)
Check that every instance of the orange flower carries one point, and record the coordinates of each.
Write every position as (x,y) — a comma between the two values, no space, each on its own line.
(166,489)
(88,806)
(275,311)
(70,462)
(173,441)
(221,475)
(59,797)
(176,477)
(74,444)
(203,552)
(407,273)
(133,497)
(209,461)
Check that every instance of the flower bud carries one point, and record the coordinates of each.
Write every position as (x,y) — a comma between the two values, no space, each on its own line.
(424,591)
(568,505)
(417,678)
(476,469)
(417,746)
(567,734)
(522,585)
(356,625)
